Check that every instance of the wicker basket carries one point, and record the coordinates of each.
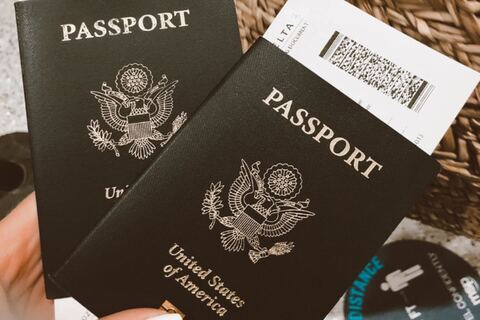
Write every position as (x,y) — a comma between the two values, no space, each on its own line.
(451,27)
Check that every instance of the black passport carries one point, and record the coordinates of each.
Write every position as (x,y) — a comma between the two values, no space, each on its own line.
(265,206)
(107,84)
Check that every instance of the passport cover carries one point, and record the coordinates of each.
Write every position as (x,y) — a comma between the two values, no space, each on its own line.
(107,84)
(265,206)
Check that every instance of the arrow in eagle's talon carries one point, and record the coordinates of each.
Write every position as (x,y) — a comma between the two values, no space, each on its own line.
(169,136)
(256,256)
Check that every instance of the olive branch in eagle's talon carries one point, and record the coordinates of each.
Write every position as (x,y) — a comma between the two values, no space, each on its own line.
(176,125)
(212,203)
(102,139)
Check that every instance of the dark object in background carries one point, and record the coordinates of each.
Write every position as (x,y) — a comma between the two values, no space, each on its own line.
(12,175)
(16,174)
(414,280)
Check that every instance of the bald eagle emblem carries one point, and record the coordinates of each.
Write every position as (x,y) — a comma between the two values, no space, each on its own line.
(261,207)
(136,108)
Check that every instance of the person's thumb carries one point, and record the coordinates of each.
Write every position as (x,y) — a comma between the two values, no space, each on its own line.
(143,314)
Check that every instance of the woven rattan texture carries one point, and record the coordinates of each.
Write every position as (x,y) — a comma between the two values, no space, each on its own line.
(451,27)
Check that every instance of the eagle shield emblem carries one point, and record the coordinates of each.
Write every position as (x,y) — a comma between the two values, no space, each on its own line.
(261,207)
(137,108)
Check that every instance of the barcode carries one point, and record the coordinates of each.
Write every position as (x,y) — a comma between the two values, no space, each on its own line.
(385,76)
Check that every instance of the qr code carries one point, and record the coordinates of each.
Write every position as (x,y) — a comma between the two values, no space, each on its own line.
(385,76)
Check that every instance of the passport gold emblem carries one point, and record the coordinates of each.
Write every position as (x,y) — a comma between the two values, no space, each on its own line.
(261,207)
(137,108)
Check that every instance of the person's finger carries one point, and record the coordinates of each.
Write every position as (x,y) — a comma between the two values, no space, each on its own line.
(20,262)
(143,314)
(25,214)
(19,235)
(20,227)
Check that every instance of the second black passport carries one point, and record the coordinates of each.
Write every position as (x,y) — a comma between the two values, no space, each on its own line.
(107,85)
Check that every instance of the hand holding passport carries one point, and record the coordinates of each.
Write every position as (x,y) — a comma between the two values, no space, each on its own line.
(276,191)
